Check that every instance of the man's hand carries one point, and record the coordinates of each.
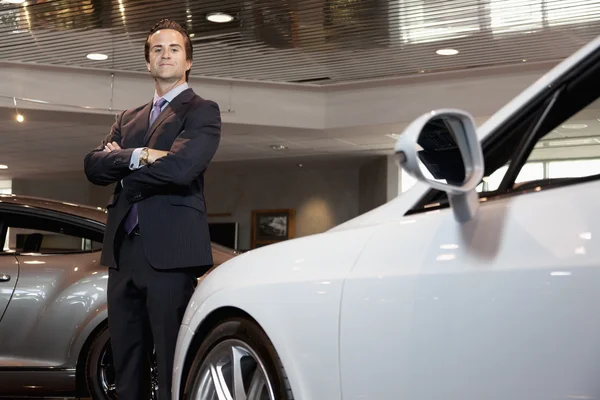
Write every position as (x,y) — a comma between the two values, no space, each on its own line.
(111,147)
(154,155)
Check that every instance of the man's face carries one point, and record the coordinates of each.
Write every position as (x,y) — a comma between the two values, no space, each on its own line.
(167,56)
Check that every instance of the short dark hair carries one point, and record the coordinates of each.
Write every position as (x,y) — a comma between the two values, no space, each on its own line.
(168,24)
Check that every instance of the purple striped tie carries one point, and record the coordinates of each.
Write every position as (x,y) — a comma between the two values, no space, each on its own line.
(131,220)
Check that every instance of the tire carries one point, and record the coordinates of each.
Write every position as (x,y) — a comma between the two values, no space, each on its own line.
(100,373)
(257,359)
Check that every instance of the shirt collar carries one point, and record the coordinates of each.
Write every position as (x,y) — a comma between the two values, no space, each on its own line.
(170,95)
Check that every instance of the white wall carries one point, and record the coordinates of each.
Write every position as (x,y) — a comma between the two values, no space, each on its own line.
(322,198)
(69,187)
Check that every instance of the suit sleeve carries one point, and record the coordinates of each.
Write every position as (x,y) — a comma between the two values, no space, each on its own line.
(189,156)
(103,168)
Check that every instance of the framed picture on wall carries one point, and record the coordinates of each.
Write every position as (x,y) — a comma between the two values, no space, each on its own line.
(272,226)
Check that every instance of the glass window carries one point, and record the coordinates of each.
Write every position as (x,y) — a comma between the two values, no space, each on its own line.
(532,171)
(6,247)
(573,168)
(572,150)
(563,12)
(515,15)
(5,187)
(493,181)
(423,21)
(30,234)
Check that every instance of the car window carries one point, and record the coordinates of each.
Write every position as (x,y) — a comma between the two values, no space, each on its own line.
(571,150)
(41,235)
(553,141)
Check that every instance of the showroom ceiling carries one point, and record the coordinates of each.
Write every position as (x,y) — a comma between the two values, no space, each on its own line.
(318,42)
(311,42)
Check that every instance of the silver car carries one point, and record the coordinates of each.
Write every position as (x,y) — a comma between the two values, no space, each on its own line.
(54,339)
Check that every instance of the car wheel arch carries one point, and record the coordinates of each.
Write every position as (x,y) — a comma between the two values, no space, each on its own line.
(207,324)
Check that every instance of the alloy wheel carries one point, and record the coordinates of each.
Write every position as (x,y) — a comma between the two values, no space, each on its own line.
(106,374)
(232,370)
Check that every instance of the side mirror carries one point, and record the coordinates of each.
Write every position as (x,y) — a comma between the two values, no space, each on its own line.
(441,148)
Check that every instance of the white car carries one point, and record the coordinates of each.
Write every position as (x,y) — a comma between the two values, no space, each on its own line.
(459,289)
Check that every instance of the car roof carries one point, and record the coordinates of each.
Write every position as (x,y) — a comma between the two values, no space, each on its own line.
(97,214)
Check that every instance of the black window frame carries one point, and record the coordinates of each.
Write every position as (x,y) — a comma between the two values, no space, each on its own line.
(513,141)
(94,230)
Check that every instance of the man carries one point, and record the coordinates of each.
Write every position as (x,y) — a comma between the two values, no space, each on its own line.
(156,241)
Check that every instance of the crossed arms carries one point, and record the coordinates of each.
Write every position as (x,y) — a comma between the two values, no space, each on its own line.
(188,157)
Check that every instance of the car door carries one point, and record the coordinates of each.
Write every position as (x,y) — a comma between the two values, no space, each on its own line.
(9,273)
(504,305)
(55,295)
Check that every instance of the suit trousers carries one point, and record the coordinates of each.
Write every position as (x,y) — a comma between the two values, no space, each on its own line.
(141,297)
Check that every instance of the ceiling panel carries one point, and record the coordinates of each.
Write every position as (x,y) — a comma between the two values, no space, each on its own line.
(249,139)
(306,41)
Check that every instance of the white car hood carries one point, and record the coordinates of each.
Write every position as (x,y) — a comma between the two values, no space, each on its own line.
(325,257)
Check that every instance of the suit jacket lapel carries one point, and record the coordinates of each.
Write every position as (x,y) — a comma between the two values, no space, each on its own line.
(179,100)
(141,125)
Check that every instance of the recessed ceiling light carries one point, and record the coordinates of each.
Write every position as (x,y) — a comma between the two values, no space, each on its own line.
(447,52)
(2,166)
(560,273)
(20,118)
(97,56)
(219,17)
(278,147)
(574,126)
(571,142)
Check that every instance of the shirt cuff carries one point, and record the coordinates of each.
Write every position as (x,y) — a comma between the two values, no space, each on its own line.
(134,162)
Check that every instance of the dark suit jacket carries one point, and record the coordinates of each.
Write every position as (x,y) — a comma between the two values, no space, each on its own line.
(169,192)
